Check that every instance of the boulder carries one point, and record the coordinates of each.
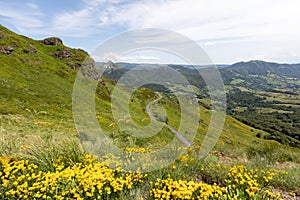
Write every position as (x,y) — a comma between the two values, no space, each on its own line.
(31,49)
(88,69)
(53,41)
(15,45)
(6,50)
(62,54)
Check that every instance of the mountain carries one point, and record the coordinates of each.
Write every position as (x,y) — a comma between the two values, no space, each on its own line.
(133,65)
(267,96)
(260,75)
(258,67)
(255,75)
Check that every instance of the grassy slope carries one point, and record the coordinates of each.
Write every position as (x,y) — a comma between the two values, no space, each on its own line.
(35,80)
(35,92)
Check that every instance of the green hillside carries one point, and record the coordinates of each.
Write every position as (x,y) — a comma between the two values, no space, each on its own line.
(35,75)
(258,67)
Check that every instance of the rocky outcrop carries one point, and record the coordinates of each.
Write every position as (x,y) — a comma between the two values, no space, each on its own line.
(7,50)
(88,69)
(109,65)
(32,49)
(62,54)
(15,45)
(53,41)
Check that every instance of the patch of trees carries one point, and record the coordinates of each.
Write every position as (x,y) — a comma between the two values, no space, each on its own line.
(283,127)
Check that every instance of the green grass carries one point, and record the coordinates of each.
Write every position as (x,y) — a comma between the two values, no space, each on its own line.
(37,80)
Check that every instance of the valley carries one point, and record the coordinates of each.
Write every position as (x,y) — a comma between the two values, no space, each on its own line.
(261,94)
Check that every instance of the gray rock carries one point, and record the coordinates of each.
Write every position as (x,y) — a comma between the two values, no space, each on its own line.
(32,49)
(6,50)
(15,45)
(62,54)
(53,41)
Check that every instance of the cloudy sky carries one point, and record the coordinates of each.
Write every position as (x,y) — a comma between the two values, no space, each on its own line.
(229,31)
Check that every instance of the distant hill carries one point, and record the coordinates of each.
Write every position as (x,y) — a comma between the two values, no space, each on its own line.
(133,65)
(261,75)
(258,67)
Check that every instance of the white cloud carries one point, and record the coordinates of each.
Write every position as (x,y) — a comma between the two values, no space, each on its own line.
(233,25)
(32,5)
(201,19)
(22,17)
(130,58)
(76,23)
(198,19)
(94,3)
(109,56)
(139,59)
(209,23)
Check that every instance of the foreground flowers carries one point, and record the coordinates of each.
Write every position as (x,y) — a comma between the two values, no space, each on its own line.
(87,180)
(241,184)
(170,189)
(91,179)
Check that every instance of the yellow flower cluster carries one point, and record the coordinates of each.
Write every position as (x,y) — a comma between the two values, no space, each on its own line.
(241,183)
(271,195)
(186,158)
(137,150)
(87,180)
(181,189)
(91,179)
(250,183)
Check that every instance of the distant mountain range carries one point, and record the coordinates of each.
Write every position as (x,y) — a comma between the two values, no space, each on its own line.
(251,67)
(133,65)
(258,67)
(253,75)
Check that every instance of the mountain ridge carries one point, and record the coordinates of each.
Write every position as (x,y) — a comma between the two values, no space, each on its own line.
(259,67)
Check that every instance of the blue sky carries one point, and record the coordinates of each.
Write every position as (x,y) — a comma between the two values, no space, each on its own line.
(229,31)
